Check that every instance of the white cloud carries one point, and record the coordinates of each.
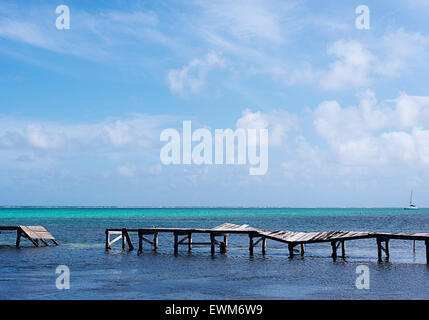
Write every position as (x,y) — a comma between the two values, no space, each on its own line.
(127,170)
(139,131)
(118,133)
(253,36)
(99,36)
(245,20)
(357,64)
(191,78)
(38,137)
(27,32)
(376,134)
(400,50)
(370,147)
(136,17)
(278,123)
(411,111)
(351,70)
(155,169)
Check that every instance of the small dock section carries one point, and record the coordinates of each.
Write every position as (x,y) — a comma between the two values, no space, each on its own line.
(296,241)
(32,233)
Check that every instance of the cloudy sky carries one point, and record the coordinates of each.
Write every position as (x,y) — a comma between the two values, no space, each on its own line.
(81,110)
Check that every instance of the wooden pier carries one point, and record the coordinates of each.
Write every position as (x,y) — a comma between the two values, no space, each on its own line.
(294,240)
(32,233)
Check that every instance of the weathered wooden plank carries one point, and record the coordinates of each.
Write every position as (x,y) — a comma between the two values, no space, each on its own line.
(230,226)
(36,232)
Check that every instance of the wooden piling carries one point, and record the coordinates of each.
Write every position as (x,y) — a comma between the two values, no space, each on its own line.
(379,250)
(334,250)
(155,241)
(212,244)
(140,241)
(290,248)
(427,251)
(107,240)
(176,243)
(343,249)
(264,245)
(18,237)
(189,242)
(222,247)
(123,239)
(250,244)
(126,235)
(386,249)
(302,251)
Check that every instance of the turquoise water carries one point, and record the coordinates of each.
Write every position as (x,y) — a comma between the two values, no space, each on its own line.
(195,212)
(29,273)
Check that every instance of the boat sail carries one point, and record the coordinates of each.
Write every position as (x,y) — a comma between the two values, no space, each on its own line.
(411,206)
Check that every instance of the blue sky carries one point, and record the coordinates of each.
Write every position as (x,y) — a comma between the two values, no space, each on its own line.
(81,110)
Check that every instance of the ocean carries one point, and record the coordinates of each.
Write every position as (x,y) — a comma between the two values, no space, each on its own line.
(30,273)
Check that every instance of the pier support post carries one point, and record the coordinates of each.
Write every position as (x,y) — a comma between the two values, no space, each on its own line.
(386,249)
(427,251)
(212,244)
(290,246)
(222,248)
(107,240)
(176,243)
(224,245)
(302,251)
(155,241)
(189,242)
(250,244)
(18,237)
(264,245)
(123,239)
(126,235)
(343,249)
(140,242)
(380,249)
(334,250)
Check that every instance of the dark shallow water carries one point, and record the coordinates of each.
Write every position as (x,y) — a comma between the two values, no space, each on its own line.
(29,273)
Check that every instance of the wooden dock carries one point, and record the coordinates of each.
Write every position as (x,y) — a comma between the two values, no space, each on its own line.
(32,233)
(296,241)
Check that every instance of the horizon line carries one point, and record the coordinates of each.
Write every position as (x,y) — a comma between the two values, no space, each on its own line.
(185,207)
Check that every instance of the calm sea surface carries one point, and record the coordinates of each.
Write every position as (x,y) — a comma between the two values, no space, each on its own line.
(29,273)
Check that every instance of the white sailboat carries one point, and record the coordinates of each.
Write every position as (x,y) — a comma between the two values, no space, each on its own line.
(411,206)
